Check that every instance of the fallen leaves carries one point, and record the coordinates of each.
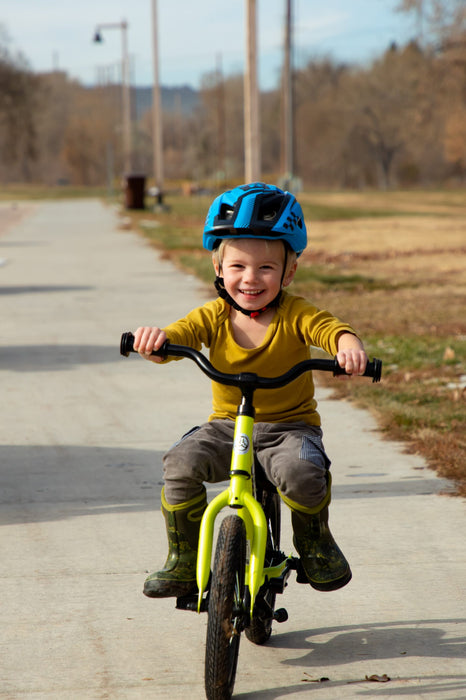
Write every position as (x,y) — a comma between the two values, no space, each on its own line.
(374,678)
(449,354)
(310,679)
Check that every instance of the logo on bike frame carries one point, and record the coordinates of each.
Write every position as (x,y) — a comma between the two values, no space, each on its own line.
(241,444)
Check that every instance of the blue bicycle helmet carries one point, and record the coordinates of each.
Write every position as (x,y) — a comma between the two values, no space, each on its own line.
(256,210)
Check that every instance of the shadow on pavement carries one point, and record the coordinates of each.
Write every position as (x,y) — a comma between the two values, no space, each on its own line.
(43,483)
(50,358)
(423,686)
(380,640)
(36,289)
(411,486)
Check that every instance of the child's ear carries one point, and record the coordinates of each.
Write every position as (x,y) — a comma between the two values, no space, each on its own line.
(290,274)
(216,265)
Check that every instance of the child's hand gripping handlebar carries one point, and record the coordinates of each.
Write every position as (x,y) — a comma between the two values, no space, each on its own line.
(373,369)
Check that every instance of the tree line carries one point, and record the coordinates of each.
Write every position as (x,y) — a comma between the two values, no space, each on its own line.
(400,121)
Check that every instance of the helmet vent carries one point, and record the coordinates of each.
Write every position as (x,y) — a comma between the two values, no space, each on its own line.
(270,207)
(226,212)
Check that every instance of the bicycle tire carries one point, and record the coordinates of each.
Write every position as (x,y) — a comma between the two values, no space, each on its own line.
(225,611)
(260,628)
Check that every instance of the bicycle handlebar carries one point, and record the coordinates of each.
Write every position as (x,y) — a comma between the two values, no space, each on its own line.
(248,379)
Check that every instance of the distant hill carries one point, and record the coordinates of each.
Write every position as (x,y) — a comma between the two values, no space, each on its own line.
(181,99)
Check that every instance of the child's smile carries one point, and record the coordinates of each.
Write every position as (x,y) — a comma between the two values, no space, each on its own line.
(251,293)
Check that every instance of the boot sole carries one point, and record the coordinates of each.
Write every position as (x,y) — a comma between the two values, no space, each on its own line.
(332,585)
(171,590)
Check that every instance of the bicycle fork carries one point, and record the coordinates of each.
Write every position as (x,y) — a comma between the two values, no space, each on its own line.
(239,496)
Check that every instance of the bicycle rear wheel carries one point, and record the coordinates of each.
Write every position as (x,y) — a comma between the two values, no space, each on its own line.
(225,613)
(260,628)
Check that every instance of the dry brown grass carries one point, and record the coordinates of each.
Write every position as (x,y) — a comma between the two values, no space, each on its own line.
(412,272)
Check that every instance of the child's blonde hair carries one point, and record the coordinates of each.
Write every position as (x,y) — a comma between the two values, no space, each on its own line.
(219,252)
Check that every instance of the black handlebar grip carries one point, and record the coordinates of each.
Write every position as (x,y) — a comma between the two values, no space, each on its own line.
(373,369)
(126,344)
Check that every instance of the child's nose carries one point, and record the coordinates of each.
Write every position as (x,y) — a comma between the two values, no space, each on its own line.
(250,274)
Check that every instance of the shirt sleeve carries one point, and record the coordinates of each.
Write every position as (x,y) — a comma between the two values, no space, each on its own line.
(317,327)
(197,328)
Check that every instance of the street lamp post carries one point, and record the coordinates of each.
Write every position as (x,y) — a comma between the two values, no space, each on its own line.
(125,86)
(287,92)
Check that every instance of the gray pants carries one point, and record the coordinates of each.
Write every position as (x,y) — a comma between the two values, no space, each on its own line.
(291,454)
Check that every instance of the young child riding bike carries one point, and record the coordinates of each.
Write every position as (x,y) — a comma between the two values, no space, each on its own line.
(256,233)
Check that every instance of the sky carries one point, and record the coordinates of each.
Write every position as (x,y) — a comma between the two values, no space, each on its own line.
(195,37)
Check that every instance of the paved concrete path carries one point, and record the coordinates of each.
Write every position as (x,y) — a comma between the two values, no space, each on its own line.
(82,432)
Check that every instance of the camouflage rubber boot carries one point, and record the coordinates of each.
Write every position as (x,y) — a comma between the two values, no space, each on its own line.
(324,563)
(178,576)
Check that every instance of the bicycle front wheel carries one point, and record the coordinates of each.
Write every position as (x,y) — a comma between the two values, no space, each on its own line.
(225,613)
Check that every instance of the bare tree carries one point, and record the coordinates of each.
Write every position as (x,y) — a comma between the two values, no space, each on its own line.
(440,23)
(385,102)
(91,138)
(19,90)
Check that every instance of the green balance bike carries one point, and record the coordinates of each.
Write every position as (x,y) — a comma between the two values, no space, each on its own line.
(238,591)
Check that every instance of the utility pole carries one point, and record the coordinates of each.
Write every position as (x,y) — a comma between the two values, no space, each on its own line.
(127,151)
(221,116)
(157,110)
(252,144)
(287,99)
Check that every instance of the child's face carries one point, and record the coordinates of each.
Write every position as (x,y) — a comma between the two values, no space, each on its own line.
(252,271)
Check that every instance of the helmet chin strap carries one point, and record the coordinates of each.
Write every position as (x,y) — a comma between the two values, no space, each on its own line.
(222,292)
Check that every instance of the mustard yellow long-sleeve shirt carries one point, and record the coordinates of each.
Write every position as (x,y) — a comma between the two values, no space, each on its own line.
(296,326)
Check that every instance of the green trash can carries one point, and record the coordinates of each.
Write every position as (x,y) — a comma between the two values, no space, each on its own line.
(135,186)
